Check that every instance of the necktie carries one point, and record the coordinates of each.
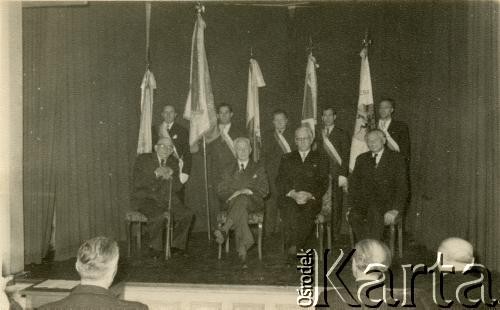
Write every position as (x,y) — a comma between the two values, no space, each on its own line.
(163,163)
(242,167)
(328,131)
(303,156)
(374,157)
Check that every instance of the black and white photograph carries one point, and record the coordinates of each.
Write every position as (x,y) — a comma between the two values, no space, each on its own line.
(250,154)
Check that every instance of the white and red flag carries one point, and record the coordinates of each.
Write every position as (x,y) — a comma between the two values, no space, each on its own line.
(310,102)
(255,81)
(365,115)
(200,108)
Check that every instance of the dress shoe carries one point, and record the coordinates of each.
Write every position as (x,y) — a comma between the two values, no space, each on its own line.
(155,254)
(179,252)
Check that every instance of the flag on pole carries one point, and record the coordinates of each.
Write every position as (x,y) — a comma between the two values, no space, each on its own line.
(310,102)
(200,108)
(365,116)
(255,80)
(148,85)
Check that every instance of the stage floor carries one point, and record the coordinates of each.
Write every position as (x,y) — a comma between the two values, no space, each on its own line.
(202,265)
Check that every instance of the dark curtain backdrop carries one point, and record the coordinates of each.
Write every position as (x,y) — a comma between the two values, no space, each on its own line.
(83,67)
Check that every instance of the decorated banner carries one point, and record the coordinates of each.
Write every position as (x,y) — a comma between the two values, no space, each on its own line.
(365,117)
(310,102)
(255,80)
(200,108)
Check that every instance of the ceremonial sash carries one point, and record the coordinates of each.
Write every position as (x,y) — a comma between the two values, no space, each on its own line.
(391,143)
(330,149)
(285,147)
(229,142)
(163,133)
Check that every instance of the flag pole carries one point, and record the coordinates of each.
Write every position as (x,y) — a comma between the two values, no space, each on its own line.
(206,186)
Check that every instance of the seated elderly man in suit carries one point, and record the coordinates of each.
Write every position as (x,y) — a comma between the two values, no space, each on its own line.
(379,188)
(96,263)
(243,188)
(156,180)
(302,181)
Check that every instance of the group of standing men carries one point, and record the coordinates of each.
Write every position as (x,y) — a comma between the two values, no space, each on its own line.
(296,169)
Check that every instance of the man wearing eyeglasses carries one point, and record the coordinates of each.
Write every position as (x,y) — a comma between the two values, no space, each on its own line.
(156,182)
(302,181)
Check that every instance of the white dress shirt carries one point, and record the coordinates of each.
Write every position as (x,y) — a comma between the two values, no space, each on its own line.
(379,156)
(303,155)
(243,164)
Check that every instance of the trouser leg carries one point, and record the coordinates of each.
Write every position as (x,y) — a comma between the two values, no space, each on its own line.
(154,227)
(238,216)
(183,218)
(368,224)
(299,223)
(271,218)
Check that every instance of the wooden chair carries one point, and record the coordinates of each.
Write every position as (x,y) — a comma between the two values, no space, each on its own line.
(254,218)
(396,228)
(137,219)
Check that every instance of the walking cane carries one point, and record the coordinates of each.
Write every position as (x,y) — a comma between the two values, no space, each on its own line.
(170,222)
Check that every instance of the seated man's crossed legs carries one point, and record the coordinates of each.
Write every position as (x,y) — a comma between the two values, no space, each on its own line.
(237,220)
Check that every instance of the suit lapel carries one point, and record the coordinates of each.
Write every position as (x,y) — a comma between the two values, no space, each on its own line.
(230,132)
(296,156)
(383,160)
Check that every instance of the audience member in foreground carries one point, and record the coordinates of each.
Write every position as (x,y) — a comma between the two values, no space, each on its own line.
(458,253)
(365,295)
(97,262)
(243,187)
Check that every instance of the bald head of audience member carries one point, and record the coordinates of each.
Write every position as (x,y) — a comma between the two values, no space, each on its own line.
(97,261)
(456,252)
(370,251)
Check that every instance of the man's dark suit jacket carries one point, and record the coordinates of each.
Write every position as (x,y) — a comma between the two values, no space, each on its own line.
(383,188)
(147,188)
(220,154)
(180,138)
(310,176)
(342,144)
(400,133)
(254,177)
(272,152)
(90,297)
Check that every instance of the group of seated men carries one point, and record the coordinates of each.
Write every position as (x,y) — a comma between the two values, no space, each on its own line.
(296,169)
